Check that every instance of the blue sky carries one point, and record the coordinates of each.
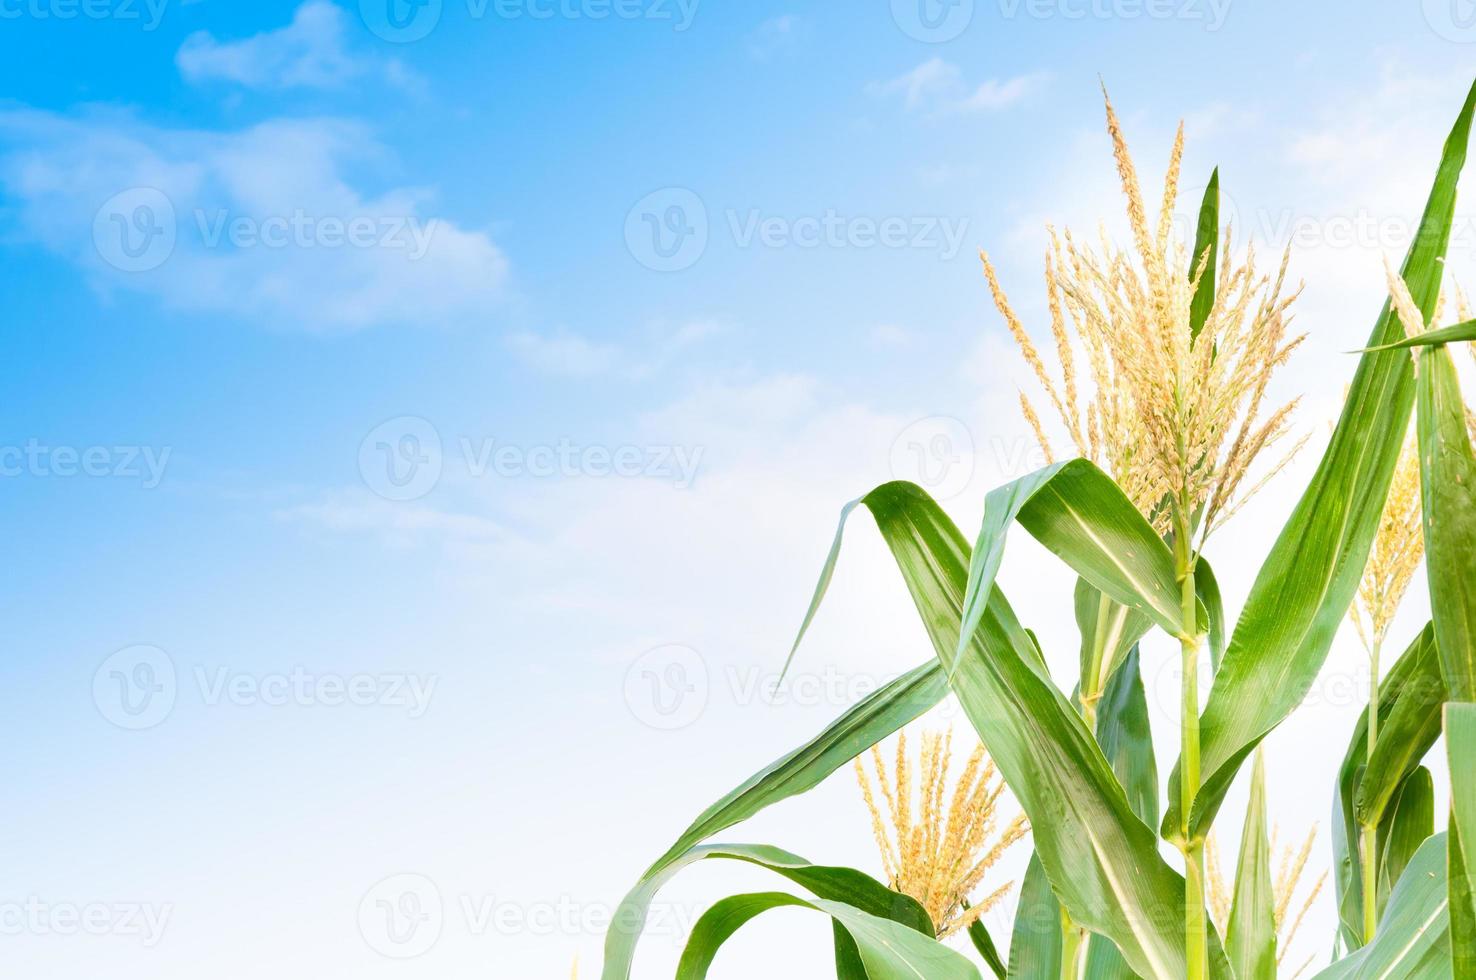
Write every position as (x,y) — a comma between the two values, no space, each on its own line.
(242,399)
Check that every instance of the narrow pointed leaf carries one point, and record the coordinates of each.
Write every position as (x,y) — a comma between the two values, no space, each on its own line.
(848,964)
(1407,729)
(871,720)
(1445,335)
(1206,250)
(1077,512)
(1448,493)
(1415,675)
(1108,631)
(984,946)
(840,884)
(1127,742)
(1035,944)
(888,951)
(1207,587)
(1303,590)
(1460,743)
(1126,739)
(1413,940)
(1409,822)
(1250,940)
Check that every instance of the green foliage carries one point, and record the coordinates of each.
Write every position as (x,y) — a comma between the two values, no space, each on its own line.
(1099,901)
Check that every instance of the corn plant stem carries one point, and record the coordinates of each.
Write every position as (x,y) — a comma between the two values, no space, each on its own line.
(1072,943)
(1369,834)
(1196,929)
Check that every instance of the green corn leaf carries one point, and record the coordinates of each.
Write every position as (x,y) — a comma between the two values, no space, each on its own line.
(1035,943)
(871,720)
(1077,512)
(1448,493)
(1108,631)
(1406,730)
(1416,674)
(1413,941)
(1206,243)
(1101,860)
(1303,590)
(1460,743)
(848,962)
(887,950)
(1462,897)
(846,885)
(1250,939)
(1207,587)
(1409,822)
(1452,334)
(1104,961)
(984,946)
(1127,742)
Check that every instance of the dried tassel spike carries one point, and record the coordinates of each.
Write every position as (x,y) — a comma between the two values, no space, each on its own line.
(942,852)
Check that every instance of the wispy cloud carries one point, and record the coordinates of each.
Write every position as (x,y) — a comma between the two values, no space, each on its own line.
(264,223)
(397,525)
(564,352)
(937,86)
(776,36)
(310,52)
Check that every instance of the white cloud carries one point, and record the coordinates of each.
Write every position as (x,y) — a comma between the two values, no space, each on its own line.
(888,335)
(937,87)
(564,352)
(776,36)
(310,52)
(263,223)
(398,525)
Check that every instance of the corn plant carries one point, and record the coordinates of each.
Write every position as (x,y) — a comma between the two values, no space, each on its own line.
(1181,341)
